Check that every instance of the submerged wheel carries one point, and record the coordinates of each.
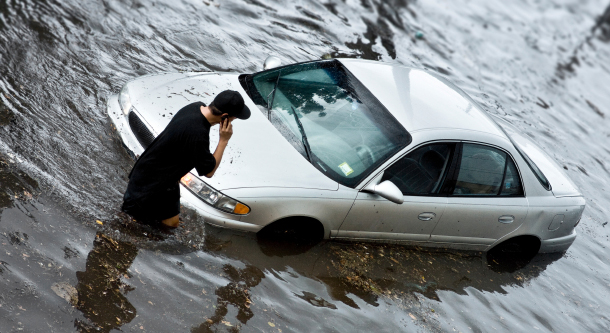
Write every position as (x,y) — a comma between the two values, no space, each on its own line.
(293,229)
(513,254)
(520,245)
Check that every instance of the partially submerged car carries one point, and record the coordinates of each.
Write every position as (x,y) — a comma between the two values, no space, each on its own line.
(363,150)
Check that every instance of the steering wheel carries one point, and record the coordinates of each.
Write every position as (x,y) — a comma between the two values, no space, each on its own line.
(365,154)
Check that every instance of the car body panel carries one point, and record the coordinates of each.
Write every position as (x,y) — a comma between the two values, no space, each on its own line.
(419,99)
(476,220)
(121,125)
(377,218)
(561,184)
(271,204)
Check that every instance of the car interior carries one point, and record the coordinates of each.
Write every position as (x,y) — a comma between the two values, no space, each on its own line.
(420,172)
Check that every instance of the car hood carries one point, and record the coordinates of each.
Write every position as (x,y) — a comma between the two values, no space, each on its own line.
(257,154)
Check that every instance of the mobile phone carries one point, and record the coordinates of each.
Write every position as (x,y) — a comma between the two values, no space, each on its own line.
(223,119)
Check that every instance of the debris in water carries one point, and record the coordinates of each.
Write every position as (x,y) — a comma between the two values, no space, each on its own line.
(595,108)
(66,291)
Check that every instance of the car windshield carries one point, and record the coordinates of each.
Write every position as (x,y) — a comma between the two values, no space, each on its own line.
(329,117)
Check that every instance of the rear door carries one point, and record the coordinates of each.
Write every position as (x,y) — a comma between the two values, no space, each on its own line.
(486,199)
(420,176)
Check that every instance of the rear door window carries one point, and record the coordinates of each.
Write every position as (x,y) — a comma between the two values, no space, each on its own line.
(486,171)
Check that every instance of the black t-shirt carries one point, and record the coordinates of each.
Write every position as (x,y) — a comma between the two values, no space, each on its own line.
(182,146)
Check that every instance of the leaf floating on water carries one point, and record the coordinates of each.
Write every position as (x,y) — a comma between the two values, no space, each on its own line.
(271,324)
(66,291)
(226,323)
(99,222)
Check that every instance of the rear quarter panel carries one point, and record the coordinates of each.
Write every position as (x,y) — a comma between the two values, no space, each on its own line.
(544,209)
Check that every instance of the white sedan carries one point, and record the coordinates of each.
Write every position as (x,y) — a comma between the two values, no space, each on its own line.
(362,150)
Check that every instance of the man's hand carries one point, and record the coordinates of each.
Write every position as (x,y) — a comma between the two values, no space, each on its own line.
(226,130)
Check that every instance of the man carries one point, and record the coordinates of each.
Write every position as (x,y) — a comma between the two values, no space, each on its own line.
(153,192)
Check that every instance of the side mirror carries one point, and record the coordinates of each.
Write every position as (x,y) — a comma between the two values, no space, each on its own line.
(271,62)
(389,191)
(386,189)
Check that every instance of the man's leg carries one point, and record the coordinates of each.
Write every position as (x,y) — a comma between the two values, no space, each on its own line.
(172,221)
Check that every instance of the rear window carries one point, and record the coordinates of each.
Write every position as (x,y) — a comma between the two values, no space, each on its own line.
(526,149)
(539,175)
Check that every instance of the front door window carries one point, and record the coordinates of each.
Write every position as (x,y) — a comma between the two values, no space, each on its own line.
(422,171)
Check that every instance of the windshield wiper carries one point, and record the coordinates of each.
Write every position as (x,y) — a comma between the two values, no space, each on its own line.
(272,96)
(305,142)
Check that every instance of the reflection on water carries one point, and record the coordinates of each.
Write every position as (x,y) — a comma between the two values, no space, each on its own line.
(351,272)
(373,270)
(101,287)
(236,293)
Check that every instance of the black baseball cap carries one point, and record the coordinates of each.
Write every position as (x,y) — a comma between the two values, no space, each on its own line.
(231,102)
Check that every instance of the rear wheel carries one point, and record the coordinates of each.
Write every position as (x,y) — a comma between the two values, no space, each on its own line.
(513,254)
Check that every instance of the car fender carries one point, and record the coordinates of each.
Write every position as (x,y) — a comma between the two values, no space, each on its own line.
(269,205)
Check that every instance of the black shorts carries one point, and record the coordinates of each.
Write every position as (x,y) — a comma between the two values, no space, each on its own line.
(153,207)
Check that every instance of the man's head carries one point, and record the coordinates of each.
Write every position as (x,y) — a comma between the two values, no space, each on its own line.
(231,104)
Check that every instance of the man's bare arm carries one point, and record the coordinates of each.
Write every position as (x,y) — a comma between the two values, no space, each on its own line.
(225,132)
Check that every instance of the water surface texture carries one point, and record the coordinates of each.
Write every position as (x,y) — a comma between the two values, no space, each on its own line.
(68,262)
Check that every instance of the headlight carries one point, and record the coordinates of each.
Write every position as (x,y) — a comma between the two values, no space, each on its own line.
(125,100)
(212,197)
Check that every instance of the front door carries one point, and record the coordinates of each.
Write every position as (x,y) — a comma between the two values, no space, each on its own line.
(486,202)
(419,175)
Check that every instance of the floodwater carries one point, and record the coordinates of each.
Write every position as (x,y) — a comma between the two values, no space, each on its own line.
(70,262)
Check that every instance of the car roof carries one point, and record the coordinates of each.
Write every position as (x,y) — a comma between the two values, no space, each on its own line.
(421,100)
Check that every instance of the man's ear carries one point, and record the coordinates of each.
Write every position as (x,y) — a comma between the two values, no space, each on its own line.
(224,116)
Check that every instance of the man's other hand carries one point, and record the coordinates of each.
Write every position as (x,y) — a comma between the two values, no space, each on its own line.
(226,130)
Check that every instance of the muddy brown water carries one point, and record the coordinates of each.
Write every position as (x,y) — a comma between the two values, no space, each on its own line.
(541,65)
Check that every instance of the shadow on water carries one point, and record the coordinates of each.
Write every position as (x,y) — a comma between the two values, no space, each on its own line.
(367,271)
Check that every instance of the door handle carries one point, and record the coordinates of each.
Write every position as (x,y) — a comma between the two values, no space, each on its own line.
(506,219)
(426,216)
